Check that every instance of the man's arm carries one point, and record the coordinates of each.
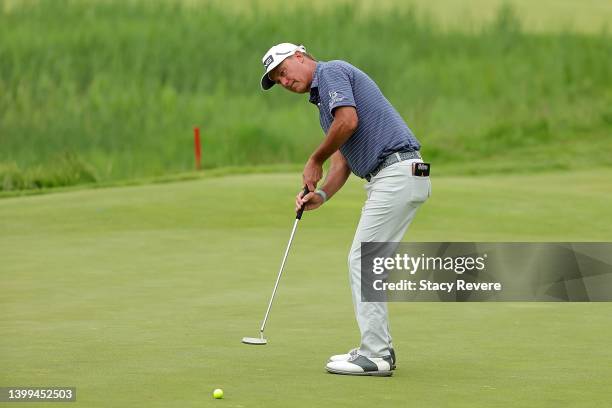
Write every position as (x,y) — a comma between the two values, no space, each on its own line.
(338,173)
(344,125)
(342,128)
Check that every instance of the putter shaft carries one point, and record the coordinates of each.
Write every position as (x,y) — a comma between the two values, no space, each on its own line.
(280,272)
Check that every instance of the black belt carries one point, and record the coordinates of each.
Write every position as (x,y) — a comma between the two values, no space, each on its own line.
(392,159)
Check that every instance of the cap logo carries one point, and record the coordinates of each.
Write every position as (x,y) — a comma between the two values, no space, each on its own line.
(268,61)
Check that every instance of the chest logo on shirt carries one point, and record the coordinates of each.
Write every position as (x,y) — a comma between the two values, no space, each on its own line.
(334,98)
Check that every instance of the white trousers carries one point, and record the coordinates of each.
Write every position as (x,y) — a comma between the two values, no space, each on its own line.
(393,198)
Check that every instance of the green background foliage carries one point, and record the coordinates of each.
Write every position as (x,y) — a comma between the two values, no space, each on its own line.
(118,86)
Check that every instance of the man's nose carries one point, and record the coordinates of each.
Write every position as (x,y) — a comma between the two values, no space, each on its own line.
(284,82)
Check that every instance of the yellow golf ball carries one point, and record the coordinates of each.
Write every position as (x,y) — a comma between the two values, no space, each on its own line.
(218,393)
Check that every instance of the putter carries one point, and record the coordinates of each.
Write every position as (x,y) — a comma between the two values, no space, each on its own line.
(261,340)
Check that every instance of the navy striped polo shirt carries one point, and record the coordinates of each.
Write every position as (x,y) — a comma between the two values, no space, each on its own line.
(381,130)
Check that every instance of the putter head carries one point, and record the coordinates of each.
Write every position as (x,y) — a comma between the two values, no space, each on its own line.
(255,341)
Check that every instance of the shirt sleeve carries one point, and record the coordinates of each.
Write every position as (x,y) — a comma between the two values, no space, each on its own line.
(335,88)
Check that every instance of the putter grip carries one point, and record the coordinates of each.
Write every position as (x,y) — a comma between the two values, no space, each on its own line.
(298,215)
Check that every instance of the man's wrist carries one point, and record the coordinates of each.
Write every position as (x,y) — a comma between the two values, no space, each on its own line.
(322,194)
(316,159)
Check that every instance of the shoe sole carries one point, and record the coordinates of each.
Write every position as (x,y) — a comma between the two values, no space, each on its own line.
(365,373)
(331,361)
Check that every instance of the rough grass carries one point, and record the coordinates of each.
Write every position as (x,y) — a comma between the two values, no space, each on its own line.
(119,86)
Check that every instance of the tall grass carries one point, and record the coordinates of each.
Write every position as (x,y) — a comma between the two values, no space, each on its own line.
(119,85)
(66,170)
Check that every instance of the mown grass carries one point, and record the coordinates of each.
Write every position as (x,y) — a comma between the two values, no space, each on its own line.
(119,86)
(146,292)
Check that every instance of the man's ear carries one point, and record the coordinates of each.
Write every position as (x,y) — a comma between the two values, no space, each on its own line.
(299,56)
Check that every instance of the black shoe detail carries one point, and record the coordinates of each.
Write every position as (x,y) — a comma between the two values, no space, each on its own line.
(393,360)
(364,363)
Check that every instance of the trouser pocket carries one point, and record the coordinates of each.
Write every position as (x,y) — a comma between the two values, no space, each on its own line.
(420,189)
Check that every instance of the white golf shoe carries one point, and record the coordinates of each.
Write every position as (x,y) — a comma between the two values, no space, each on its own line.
(352,352)
(360,365)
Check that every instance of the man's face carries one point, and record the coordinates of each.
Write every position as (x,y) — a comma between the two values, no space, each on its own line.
(293,74)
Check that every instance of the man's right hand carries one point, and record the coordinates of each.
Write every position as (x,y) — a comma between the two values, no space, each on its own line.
(311,200)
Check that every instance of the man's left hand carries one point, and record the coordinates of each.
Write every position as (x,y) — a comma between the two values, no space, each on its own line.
(313,172)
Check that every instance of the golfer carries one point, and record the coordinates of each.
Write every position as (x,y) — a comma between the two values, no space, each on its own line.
(364,135)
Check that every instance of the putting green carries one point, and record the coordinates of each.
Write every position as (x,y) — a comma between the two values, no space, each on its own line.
(139,297)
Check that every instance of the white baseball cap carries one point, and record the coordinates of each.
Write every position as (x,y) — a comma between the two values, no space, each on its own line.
(274,57)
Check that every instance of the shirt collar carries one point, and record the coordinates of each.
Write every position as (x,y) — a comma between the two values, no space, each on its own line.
(314,85)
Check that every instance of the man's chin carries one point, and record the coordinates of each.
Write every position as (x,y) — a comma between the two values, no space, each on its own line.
(298,90)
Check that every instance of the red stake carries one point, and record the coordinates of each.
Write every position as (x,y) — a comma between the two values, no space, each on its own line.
(196,147)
